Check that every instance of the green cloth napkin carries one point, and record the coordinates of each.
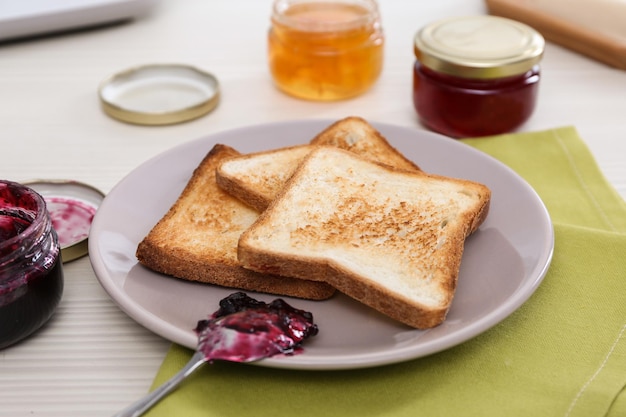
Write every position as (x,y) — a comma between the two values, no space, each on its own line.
(563,353)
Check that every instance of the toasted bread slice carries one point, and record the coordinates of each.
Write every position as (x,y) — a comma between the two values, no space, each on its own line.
(392,239)
(256,178)
(196,239)
(356,135)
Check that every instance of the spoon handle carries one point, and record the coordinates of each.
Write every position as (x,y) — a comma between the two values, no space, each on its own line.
(141,406)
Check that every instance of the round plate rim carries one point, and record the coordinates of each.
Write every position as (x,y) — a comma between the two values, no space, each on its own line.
(330,362)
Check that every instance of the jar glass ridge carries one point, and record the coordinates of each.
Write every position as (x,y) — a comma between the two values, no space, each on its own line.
(325,49)
(31,276)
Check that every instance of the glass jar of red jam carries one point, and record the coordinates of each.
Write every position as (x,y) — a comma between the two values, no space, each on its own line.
(325,49)
(31,274)
(476,76)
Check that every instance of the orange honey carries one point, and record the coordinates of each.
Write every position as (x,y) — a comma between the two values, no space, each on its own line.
(325,50)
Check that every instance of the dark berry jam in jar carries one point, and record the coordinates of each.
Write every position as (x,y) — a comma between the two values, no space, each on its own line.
(31,274)
(476,76)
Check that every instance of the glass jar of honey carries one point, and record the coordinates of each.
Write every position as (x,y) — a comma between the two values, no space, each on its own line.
(31,273)
(476,76)
(325,49)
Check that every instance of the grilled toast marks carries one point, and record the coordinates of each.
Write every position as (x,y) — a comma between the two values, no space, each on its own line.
(392,239)
(256,178)
(196,239)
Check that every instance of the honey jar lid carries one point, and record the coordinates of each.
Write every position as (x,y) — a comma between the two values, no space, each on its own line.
(159,94)
(479,47)
(72,206)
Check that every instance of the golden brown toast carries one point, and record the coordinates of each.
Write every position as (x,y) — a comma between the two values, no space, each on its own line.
(392,239)
(196,239)
(356,135)
(256,178)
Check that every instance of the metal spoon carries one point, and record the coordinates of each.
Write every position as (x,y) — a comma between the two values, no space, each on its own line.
(138,408)
(243,336)
(144,404)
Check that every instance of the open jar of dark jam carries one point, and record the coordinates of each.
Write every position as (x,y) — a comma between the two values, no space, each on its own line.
(31,274)
(476,76)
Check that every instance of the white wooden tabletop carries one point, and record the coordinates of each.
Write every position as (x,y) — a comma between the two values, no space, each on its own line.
(92,359)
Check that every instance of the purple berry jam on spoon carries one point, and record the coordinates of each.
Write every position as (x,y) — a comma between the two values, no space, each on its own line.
(241,330)
(245,330)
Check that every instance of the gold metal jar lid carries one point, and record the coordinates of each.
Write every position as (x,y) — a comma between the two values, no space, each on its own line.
(71,205)
(159,94)
(479,47)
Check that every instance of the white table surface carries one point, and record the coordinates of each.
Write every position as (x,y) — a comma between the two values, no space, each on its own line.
(92,359)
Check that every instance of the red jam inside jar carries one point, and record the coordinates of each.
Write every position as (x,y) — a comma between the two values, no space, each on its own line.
(476,76)
(31,274)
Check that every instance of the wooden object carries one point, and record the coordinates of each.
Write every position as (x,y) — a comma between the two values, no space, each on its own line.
(580,30)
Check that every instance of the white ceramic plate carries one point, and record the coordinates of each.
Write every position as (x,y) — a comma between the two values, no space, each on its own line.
(503,263)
